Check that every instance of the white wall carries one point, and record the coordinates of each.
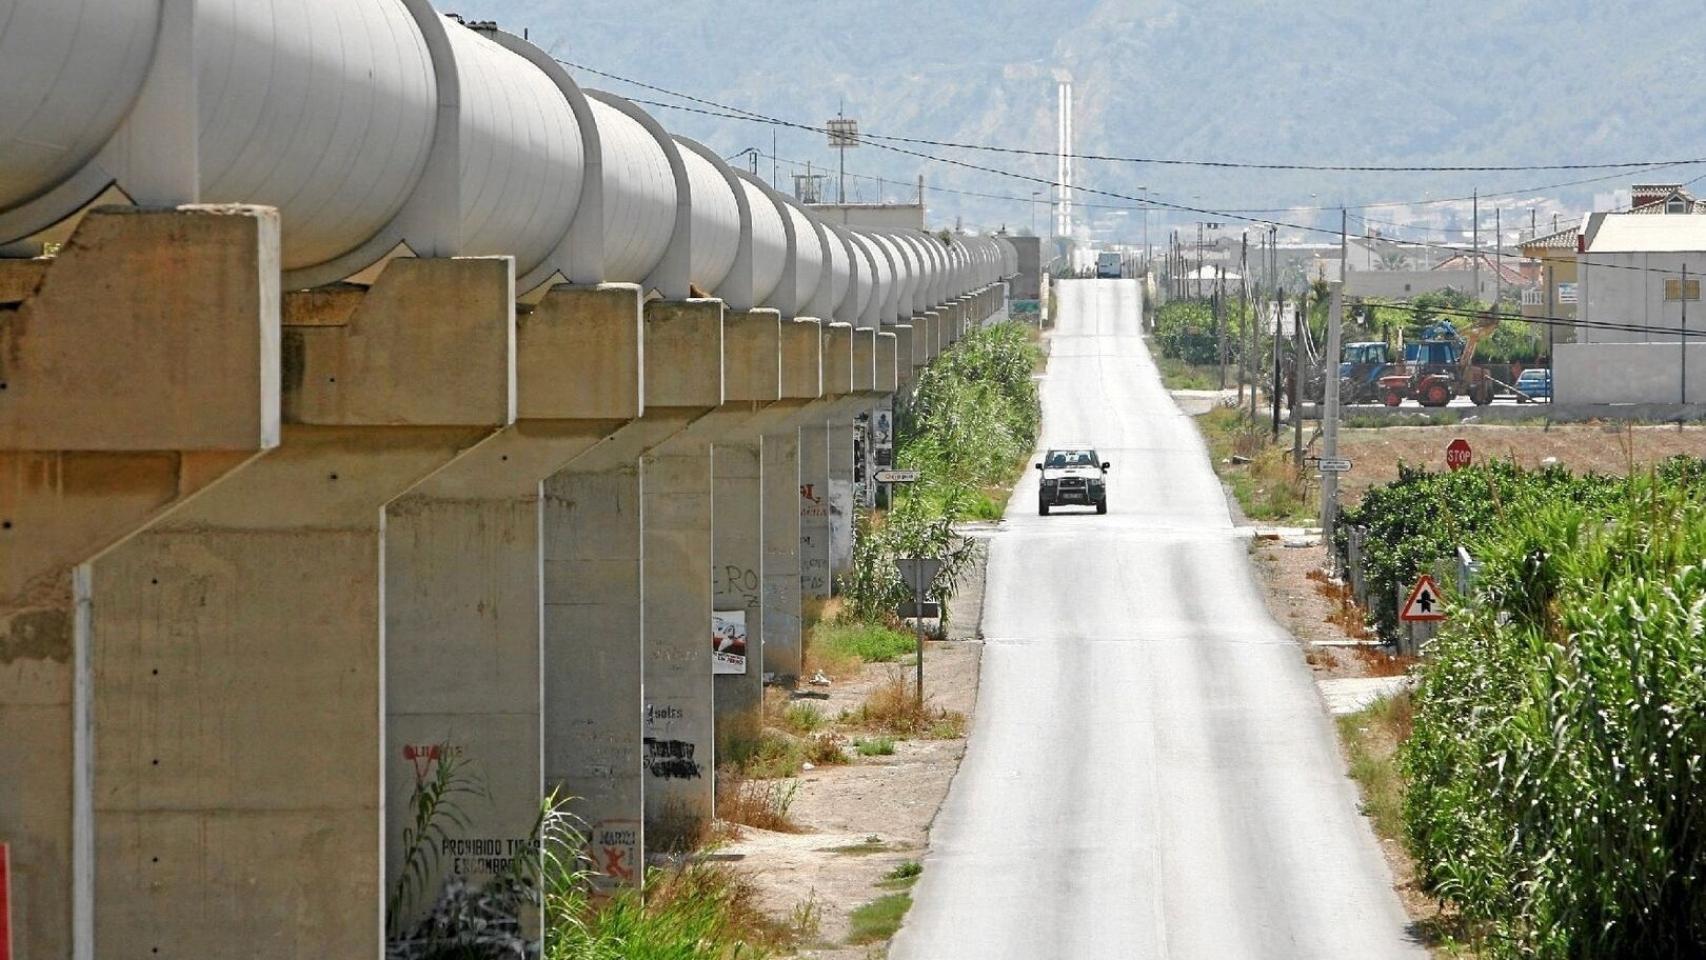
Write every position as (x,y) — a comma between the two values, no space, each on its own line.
(1627,372)
(1621,288)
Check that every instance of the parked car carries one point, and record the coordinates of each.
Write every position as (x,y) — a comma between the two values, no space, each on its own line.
(1072,475)
(1535,383)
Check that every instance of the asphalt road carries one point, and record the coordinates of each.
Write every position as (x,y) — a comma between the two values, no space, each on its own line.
(1151,772)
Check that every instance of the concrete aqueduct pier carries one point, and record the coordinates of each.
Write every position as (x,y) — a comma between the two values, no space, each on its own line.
(399,404)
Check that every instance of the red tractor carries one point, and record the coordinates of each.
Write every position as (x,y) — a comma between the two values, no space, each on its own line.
(1441,367)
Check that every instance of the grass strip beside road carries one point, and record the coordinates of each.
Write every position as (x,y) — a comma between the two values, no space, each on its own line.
(1257,470)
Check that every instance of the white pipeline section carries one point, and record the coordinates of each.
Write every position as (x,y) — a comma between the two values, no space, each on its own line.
(380,127)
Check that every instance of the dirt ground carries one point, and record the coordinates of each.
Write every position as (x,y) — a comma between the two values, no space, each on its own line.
(862,819)
(1601,448)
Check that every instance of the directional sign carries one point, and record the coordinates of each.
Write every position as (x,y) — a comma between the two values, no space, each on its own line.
(1334,465)
(896,476)
(919,572)
(1424,602)
(1458,455)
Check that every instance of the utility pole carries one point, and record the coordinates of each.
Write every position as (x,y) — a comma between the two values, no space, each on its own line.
(1330,414)
(1255,351)
(1220,327)
(1274,398)
(1498,257)
(1330,400)
(1244,319)
(1476,215)
(1551,327)
(1297,379)
(1199,259)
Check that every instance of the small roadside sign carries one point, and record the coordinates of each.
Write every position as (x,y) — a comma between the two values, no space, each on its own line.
(919,572)
(1458,455)
(896,476)
(1333,465)
(1424,603)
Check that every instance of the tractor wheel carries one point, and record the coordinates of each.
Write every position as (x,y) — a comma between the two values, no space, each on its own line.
(1392,398)
(1436,394)
(1482,395)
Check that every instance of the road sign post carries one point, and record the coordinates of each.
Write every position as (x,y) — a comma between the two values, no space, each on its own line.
(1458,454)
(887,478)
(1423,605)
(919,573)
(5,904)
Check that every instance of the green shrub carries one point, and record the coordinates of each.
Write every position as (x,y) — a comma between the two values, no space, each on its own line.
(879,919)
(973,418)
(699,912)
(1422,517)
(869,642)
(803,718)
(875,747)
(1557,788)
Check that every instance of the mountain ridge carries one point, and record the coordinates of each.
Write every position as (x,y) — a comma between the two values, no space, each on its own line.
(1500,82)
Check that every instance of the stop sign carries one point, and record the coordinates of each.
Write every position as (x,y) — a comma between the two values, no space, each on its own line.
(1458,454)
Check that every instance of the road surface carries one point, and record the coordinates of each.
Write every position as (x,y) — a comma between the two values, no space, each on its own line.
(1151,773)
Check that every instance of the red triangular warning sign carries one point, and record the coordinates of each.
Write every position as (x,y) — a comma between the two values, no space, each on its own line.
(1424,602)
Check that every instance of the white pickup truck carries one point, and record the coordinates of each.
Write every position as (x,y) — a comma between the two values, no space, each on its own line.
(1072,475)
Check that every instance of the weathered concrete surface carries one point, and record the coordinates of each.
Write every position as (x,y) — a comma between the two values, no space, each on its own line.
(684,373)
(887,378)
(782,578)
(133,379)
(814,511)
(235,670)
(840,438)
(752,361)
(594,657)
(465,585)
(590,523)
(737,581)
(905,370)
(784,499)
(236,652)
(680,743)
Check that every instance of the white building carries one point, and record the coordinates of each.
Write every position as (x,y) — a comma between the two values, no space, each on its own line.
(1631,276)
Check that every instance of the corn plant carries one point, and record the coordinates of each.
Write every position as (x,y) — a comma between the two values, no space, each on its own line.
(1557,769)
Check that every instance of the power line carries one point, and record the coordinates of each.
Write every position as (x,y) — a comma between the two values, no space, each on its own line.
(1150,202)
(1158,161)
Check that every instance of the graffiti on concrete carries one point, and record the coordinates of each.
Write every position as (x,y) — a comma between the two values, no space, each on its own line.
(735,582)
(613,847)
(671,759)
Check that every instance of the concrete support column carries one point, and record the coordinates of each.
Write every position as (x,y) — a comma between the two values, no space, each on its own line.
(594,658)
(737,585)
(841,506)
(132,382)
(684,376)
(580,356)
(814,511)
(237,647)
(781,516)
(752,389)
(465,585)
(903,344)
(680,742)
(784,486)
